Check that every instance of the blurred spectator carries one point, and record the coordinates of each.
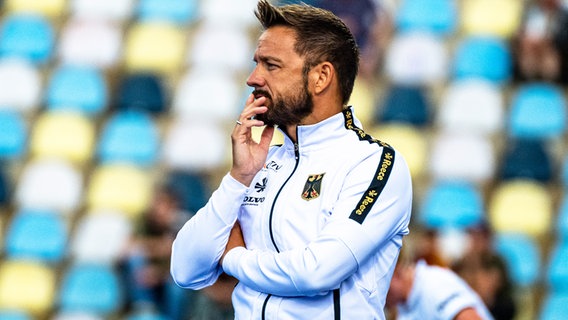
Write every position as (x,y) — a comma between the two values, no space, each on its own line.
(214,302)
(147,263)
(427,247)
(541,45)
(486,272)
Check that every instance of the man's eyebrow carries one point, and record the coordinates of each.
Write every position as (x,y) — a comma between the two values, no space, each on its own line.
(267,58)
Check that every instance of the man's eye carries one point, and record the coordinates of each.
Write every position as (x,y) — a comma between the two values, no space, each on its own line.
(271,66)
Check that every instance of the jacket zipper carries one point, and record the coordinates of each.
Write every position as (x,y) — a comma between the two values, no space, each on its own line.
(297,157)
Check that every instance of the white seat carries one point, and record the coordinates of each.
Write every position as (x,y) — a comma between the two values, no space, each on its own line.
(113,227)
(21,85)
(77,47)
(229,12)
(475,106)
(50,184)
(462,156)
(119,10)
(416,58)
(197,96)
(195,146)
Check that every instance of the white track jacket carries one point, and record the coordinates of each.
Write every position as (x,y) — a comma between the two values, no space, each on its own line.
(323,223)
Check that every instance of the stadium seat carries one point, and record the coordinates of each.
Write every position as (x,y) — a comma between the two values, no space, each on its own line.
(194,146)
(113,227)
(190,188)
(562,218)
(452,204)
(143,92)
(77,88)
(409,141)
(130,137)
(66,135)
(21,85)
(538,110)
(119,187)
(462,156)
(405,104)
(5,188)
(439,17)
(77,315)
(54,9)
(487,58)
(557,267)
(27,286)
(192,98)
(522,256)
(147,315)
(486,17)
(14,315)
(232,13)
(416,58)
(523,206)
(76,47)
(36,235)
(50,184)
(362,100)
(178,12)
(207,48)
(13,140)
(527,159)
(93,288)
(27,36)
(554,306)
(114,10)
(154,47)
(474,105)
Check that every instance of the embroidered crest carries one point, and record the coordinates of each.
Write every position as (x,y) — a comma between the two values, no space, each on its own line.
(312,188)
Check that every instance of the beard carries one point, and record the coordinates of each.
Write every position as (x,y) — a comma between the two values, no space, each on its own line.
(286,111)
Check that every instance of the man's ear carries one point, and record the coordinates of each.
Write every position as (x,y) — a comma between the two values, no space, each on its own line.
(321,76)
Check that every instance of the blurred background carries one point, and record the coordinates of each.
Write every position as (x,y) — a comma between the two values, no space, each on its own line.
(115,118)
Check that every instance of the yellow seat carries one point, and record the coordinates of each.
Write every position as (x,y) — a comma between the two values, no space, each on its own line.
(50,8)
(121,187)
(409,141)
(66,135)
(499,18)
(28,286)
(154,46)
(521,205)
(363,101)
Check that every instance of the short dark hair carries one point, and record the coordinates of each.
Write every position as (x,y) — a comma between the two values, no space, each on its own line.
(321,36)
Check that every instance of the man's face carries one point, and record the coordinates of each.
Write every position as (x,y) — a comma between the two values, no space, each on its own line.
(279,77)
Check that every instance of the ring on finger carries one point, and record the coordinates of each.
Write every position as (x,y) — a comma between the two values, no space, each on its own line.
(239,122)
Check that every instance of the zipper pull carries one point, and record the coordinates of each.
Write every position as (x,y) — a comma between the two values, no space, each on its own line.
(296,150)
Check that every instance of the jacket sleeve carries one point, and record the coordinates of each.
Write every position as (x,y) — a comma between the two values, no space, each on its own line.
(344,244)
(202,240)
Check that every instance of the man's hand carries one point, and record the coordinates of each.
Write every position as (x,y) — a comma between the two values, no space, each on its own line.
(249,156)
(235,240)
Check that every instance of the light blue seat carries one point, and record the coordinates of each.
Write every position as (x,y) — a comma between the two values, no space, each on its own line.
(480,57)
(13,135)
(129,137)
(77,88)
(92,288)
(27,36)
(538,110)
(562,219)
(522,256)
(557,267)
(14,315)
(36,235)
(175,11)
(142,92)
(554,306)
(436,16)
(452,204)
(405,104)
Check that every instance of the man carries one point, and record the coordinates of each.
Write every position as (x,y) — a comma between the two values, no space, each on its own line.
(312,228)
(422,291)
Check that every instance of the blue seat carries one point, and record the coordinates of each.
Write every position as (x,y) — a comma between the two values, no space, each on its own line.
(487,58)
(5,188)
(14,315)
(562,218)
(143,92)
(27,36)
(91,288)
(452,204)
(557,267)
(190,188)
(405,104)
(436,16)
(129,137)
(14,135)
(538,110)
(526,158)
(522,256)
(175,11)
(554,306)
(78,88)
(36,235)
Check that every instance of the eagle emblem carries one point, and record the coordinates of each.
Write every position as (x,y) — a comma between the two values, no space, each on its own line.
(312,188)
